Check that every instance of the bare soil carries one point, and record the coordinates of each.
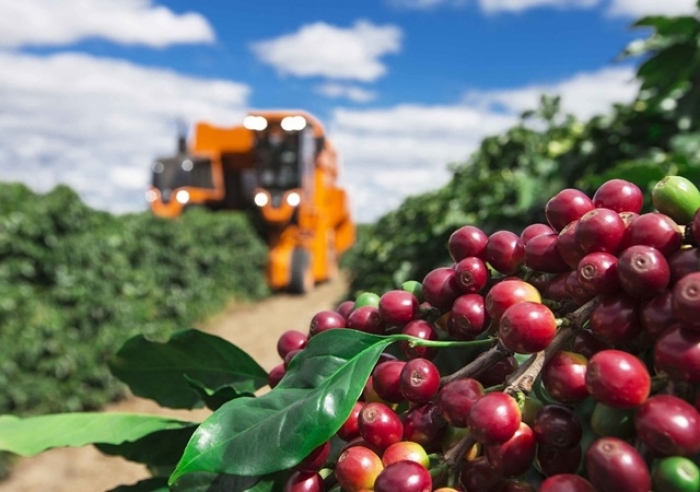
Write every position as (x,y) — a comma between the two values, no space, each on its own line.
(255,328)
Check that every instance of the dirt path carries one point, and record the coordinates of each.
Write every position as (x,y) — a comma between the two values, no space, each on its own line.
(254,328)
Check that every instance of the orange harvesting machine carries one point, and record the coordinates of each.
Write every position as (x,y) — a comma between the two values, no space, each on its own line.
(279,166)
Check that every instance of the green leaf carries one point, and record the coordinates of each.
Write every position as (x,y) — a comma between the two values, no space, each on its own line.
(213,398)
(212,482)
(257,436)
(161,448)
(33,435)
(159,370)
(157,484)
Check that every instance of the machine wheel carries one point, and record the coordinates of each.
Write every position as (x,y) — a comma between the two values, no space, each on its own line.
(301,279)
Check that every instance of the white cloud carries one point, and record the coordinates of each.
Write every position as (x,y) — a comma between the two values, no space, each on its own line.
(354,93)
(639,8)
(320,49)
(55,23)
(584,94)
(394,152)
(96,124)
(492,6)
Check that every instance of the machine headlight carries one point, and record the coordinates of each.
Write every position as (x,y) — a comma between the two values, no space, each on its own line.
(255,122)
(151,196)
(182,196)
(261,199)
(187,165)
(293,123)
(293,199)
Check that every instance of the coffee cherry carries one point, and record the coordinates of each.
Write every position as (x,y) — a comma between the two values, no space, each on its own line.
(568,247)
(291,340)
(613,465)
(657,314)
(566,482)
(468,317)
(683,262)
(515,456)
(304,481)
(587,344)
(597,273)
(534,230)
(677,353)
(366,319)
(456,398)
(366,299)
(564,377)
(551,460)
(576,290)
(614,422)
(494,418)
(425,425)
(676,474)
(619,195)
(686,301)
(542,254)
(288,358)
(316,459)
(656,230)
(643,271)
(419,380)
(345,308)
(600,229)
(350,428)
(357,469)
(406,476)
(326,320)
(615,319)
(418,328)
(405,450)
(398,307)
(471,275)
(386,378)
(505,252)
(527,327)
(618,379)
(275,375)
(379,425)
(669,426)
(566,206)
(506,293)
(440,287)
(557,426)
(478,476)
(467,241)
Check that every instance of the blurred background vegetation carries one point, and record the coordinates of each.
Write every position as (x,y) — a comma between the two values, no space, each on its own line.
(75,283)
(507,181)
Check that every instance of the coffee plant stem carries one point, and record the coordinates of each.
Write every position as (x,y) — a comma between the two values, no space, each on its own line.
(482,362)
(419,342)
(454,457)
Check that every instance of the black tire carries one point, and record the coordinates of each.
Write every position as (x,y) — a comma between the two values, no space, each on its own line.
(301,280)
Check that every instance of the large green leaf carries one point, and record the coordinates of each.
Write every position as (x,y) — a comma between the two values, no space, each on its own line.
(33,435)
(257,436)
(213,482)
(159,370)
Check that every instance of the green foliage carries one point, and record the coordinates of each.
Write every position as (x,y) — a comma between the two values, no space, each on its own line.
(75,282)
(171,373)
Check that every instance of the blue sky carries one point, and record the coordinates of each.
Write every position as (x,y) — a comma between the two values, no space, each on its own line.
(90,89)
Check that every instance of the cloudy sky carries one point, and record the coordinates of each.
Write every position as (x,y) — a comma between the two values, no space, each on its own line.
(91,90)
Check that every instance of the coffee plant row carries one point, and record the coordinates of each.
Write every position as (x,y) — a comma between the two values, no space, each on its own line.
(76,282)
(563,358)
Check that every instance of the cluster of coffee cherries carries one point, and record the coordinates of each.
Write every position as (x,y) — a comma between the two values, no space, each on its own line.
(589,379)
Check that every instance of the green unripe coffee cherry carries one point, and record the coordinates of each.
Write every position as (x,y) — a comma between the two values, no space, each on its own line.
(676,474)
(367,299)
(676,197)
(415,288)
